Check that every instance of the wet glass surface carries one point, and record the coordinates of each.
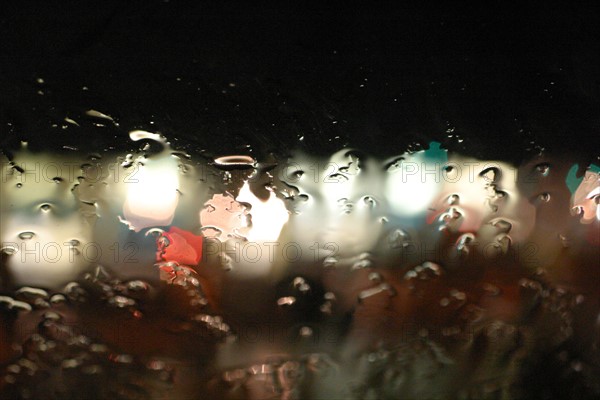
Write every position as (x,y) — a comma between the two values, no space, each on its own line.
(234,203)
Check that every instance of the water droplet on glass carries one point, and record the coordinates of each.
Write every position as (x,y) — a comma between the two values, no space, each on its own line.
(75,292)
(51,316)
(163,242)
(433,267)
(137,286)
(30,293)
(545,197)
(411,274)
(361,264)
(9,249)
(564,240)
(286,301)
(98,348)
(57,299)
(369,201)
(491,290)
(337,178)
(502,224)
(375,277)
(381,288)
(154,232)
(121,301)
(235,160)
(227,177)
(303,288)
(453,199)
(398,238)
(326,308)
(121,358)
(306,331)
(504,241)
(26,235)
(490,174)
(98,114)
(577,211)
(20,306)
(463,242)
(458,295)
(330,262)
(543,168)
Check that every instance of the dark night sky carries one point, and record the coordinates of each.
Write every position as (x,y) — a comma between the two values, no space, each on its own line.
(221,77)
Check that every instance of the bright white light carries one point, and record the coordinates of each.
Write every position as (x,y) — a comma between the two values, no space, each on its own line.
(411,188)
(268,217)
(152,195)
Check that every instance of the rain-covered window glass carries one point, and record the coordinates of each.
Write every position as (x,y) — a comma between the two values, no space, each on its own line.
(221,201)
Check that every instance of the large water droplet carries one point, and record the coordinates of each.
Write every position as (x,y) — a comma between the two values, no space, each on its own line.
(26,235)
(9,249)
(236,160)
(30,293)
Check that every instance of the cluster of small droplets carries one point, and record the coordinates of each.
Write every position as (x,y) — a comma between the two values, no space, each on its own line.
(62,362)
(494,195)
(425,271)
(279,378)
(117,293)
(451,218)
